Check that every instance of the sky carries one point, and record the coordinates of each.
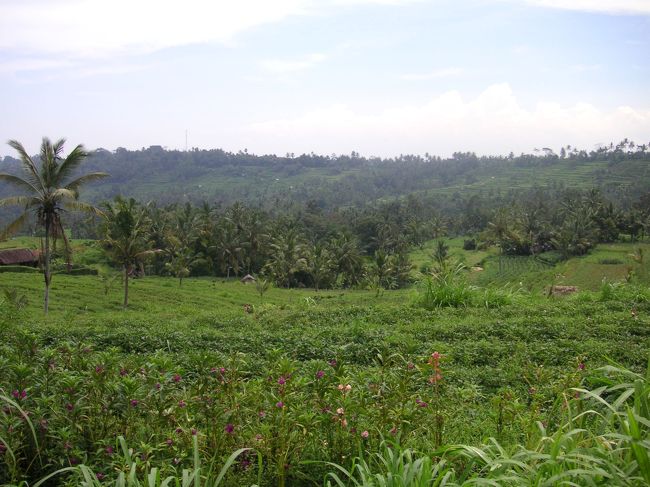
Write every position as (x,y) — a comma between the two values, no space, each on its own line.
(379,77)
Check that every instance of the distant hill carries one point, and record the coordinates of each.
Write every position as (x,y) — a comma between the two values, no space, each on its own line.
(620,172)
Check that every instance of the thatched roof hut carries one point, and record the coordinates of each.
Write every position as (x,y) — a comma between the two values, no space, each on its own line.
(247,278)
(18,257)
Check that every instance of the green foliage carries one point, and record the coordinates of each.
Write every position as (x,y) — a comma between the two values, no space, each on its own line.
(19,268)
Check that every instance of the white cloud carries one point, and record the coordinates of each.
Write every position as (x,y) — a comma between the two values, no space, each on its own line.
(281,66)
(606,6)
(493,122)
(91,28)
(438,73)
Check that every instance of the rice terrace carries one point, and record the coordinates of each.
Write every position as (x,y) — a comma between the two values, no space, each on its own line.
(395,272)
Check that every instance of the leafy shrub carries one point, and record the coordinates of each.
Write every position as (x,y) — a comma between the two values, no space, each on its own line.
(445,288)
(18,268)
(469,244)
(610,261)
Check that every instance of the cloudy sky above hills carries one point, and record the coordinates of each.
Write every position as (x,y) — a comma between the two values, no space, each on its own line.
(380,77)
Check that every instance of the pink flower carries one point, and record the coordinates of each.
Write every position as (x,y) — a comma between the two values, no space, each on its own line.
(262,414)
(69,407)
(279,404)
(229,429)
(134,402)
(282,381)
(332,363)
(176,378)
(100,476)
(340,411)
(181,404)
(393,430)
(365,434)
(179,430)
(581,366)
(169,442)
(109,450)
(123,372)
(99,369)
(193,431)
(320,374)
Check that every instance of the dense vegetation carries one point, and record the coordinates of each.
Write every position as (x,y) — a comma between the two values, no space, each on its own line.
(373,349)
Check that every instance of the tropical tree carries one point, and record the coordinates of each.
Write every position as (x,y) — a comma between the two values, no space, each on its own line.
(126,232)
(49,191)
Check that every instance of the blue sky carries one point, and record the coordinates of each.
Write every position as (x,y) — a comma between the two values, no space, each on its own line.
(379,77)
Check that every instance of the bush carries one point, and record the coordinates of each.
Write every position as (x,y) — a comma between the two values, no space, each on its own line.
(469,244)
(18,268)
(610,261)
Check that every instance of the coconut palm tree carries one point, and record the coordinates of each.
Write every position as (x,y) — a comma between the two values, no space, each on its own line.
(126,237)
(49,191)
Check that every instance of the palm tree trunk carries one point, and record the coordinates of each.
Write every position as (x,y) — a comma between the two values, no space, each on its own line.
(126,286)
(48,277)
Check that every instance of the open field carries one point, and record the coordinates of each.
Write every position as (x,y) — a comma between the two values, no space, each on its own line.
(192,358)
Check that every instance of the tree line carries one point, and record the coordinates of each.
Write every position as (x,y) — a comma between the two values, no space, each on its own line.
(307,245)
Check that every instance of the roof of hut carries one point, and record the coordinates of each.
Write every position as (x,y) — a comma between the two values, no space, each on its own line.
(18,256)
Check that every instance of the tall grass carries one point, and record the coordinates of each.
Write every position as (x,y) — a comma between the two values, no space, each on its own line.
(604,439)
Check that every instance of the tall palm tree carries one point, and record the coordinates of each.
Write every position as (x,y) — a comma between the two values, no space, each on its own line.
(49,191)
(126,237)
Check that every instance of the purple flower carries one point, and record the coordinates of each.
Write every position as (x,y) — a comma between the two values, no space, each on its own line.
(169,442)
(181,404)
(581,366)
(279,404)
(99,369)
(123,372)
(282,381)
(332,363)
(421,403)
(134,402)
(193,431)
(262,414)
(179,430)
(100,476)
(109,450)
(69,406)
(365,435)
(157,386)
(229,429)
(320,374)
(176,378)
(19,394)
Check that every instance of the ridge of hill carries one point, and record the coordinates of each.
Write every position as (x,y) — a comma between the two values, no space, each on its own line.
(215,175)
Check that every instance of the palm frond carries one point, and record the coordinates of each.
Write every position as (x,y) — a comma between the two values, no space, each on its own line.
(64,193)
(14,226)
(85,207)
(86,178)
(25,201)
(28,164)
(72,162)
(19,182)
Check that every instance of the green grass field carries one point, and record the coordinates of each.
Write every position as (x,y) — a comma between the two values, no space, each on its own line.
(193,364)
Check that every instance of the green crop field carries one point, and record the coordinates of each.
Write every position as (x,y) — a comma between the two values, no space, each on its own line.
(306,381)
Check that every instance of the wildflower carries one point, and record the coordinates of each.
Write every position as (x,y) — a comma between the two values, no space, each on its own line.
(341,387)
(340,411)
(222,371)
(581,366)
(258,437)
(157,386)
(348,388)
(193,431)
(74,461)
(279,404)
(176,378)
(262,414)
(229,429)
(176,461)
(365,434)
(393,430)
(100,476)
(169,442)
(320,374)
(99,369)
(410,366)
(179,430)
(109,450)
(282,381)
(181,404)
(344,423)
(19,394)
(134,402)
(123,372)
(69,406)
(421,403)
(332,363)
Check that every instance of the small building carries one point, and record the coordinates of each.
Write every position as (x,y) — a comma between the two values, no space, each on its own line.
(247,278)
(19,257)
